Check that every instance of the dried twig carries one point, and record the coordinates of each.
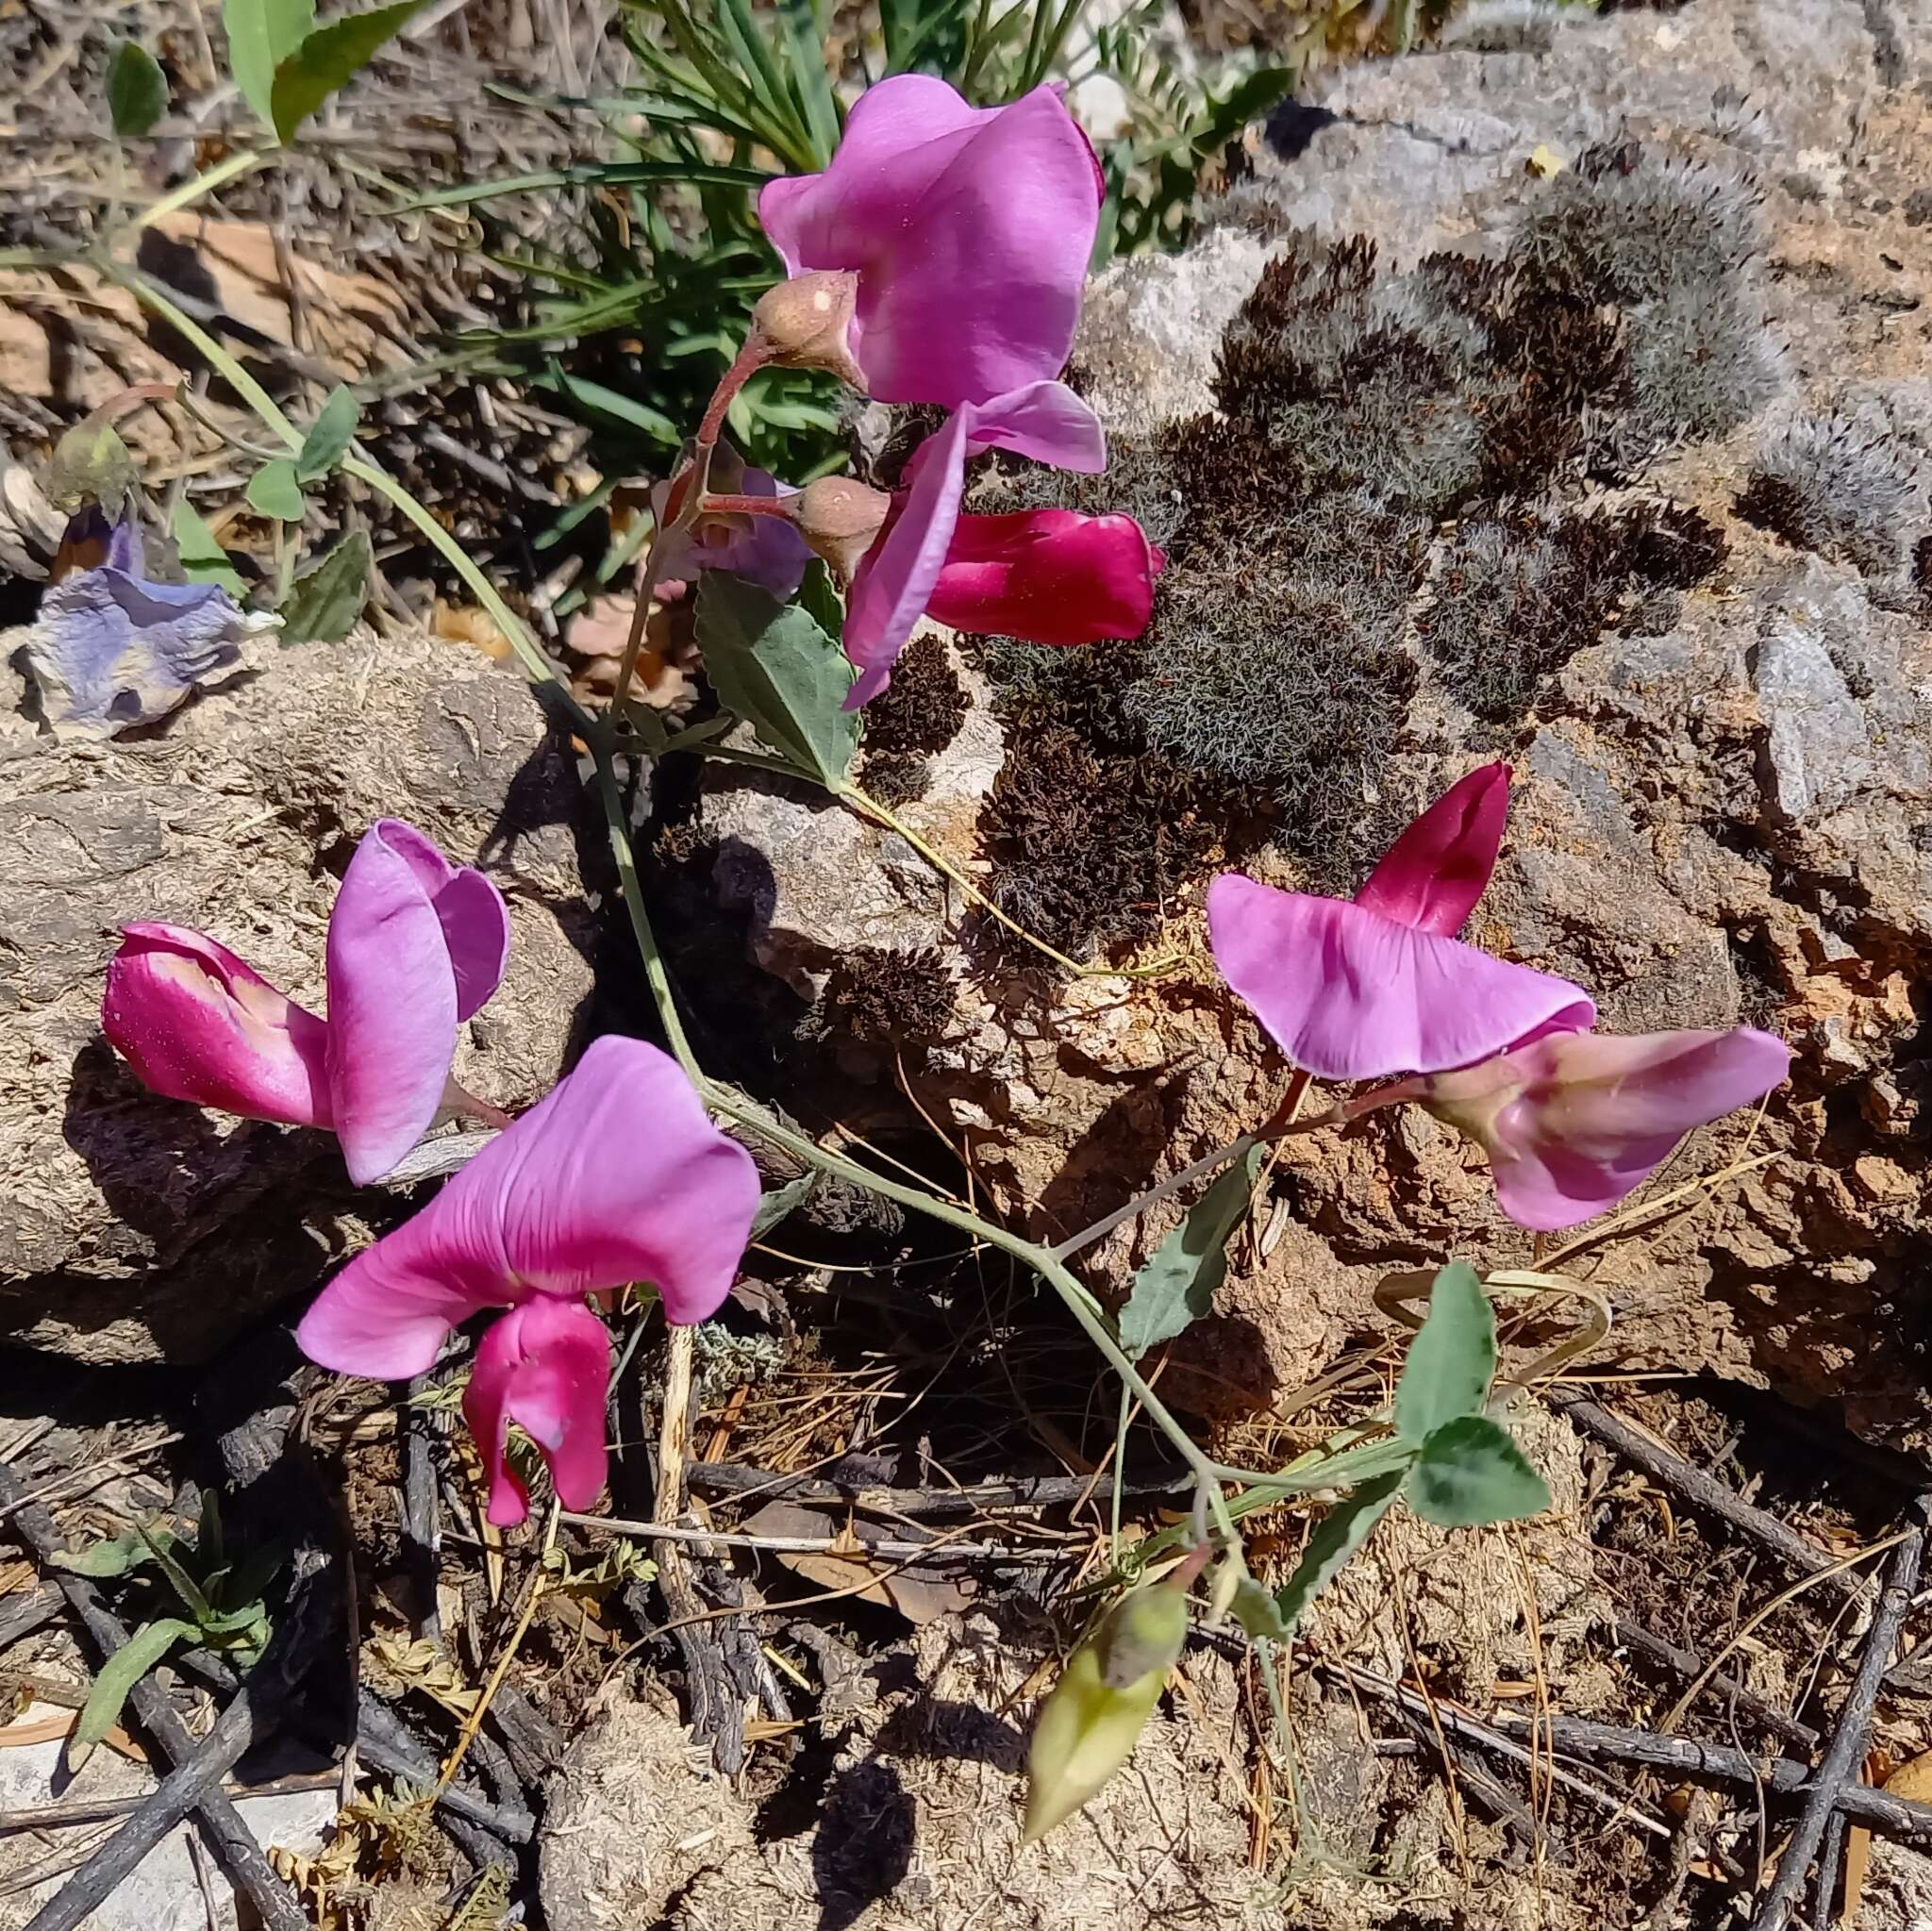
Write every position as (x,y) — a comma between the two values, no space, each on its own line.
(1847,1747)
(78,1810)
(1702,1490)
(1717,1763)
(1689,1665)
(731,1480)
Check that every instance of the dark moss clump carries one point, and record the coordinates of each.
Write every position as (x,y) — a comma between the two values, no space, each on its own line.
(1513,601)
(1838,485)
(1665,242)
(1922,566)
(1090,848)
(889,998)
(1282,667)
(1672,545)
(919,715)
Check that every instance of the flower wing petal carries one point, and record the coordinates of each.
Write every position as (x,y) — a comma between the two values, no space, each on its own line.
(545,1366)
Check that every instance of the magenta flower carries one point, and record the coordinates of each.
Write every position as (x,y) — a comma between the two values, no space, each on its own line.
(896,579)
(1048,576)
(970,229)
(617,1176)
(1363,989)
(200,1024)
(416,945)
(1573,1122)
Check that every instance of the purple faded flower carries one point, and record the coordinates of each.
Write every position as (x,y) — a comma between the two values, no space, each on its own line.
(111,649)
(617,1176)
(1363,989)
(415,946)
(896,579)
(765,550)
(970,229)
(1573,1122)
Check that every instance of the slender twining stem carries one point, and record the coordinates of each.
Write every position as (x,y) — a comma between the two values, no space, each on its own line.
(205,183)
(657,973)
(1078,1302)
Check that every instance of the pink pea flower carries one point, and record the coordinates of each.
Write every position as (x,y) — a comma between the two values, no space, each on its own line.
(617,1176)
(1048,576)
(1379,985)
(970,229)
(1573,1121)
(894,581)
(415,946)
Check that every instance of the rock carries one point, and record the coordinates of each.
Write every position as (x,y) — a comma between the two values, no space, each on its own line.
(137,1228)
(1703,654)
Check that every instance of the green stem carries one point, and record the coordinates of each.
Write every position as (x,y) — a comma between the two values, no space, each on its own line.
(205,183)
(657,973)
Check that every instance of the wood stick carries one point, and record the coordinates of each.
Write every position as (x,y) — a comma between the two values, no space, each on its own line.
(729,1480)
(1846,1750)
(1690,1665)
(1717,1763)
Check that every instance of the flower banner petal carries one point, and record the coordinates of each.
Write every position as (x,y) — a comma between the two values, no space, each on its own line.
(1348,995)
(1048,576)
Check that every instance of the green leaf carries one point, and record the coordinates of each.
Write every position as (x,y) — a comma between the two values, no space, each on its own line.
(774,1206)
(203,559)
(819,594)
(1341,1532)
(1469,1472)
(186,1589)
(1179,1284)
(1452,1361)
(137,89)
(328,437)
(273,491)
(325,602)
(261,34)
(116,1678)
(328,59)
(773,665)
(105,1559)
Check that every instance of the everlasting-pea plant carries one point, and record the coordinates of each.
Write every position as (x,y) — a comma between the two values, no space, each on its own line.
(416,945)
(939,258)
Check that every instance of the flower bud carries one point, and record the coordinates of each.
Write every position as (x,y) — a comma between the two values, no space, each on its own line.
(1090,1724)
(803,323)
(841,520)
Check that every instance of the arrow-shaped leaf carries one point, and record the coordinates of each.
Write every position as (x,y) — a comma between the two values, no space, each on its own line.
(1471,1473)
(1452,1361)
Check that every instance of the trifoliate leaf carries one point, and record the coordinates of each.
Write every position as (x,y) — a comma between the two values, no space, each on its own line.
(261,34)
(328,437)
(327,59)
(137,89)
(773,665)
(325,602)
(273,491)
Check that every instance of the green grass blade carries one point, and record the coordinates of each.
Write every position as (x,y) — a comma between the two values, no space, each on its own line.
(589,175)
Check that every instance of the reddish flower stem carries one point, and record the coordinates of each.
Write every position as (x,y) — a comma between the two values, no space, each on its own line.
(741,505)
(751,358)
